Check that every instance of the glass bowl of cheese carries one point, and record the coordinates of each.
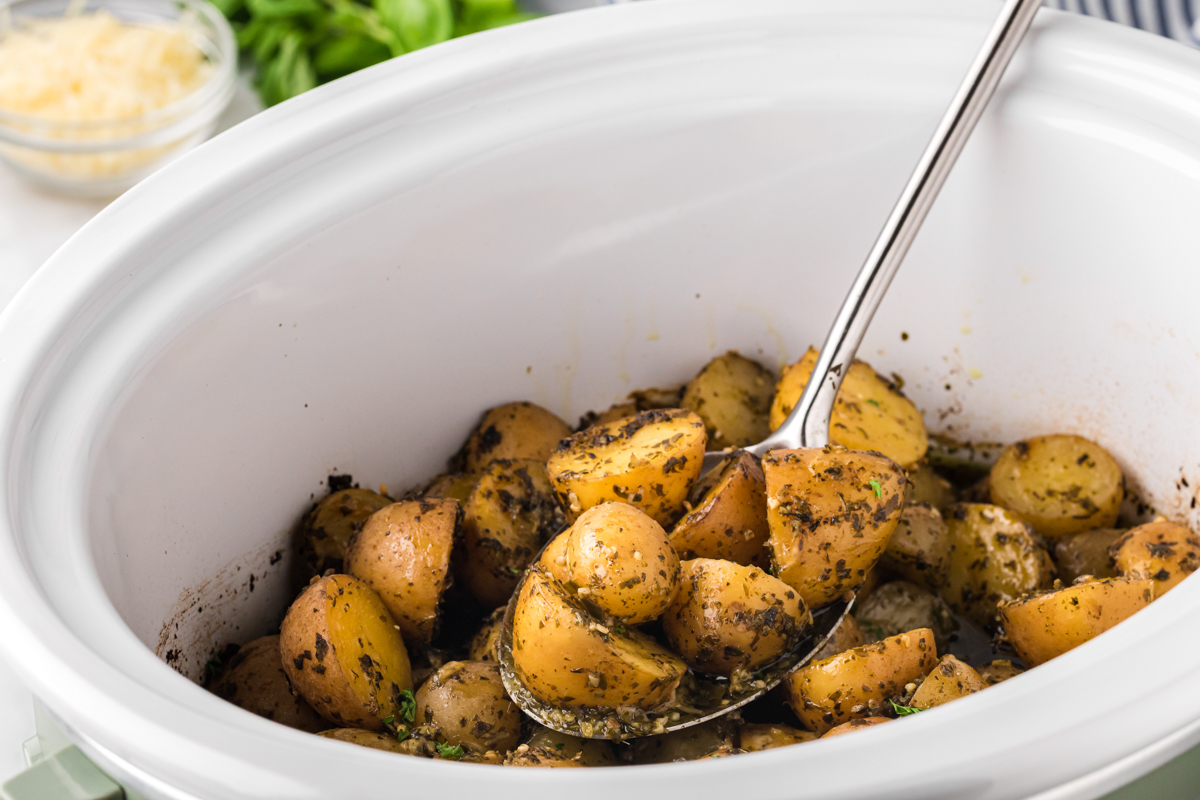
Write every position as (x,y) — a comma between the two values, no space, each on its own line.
(97,94)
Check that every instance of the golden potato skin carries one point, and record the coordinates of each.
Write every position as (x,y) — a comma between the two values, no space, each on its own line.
(588,752)
(831,512)
(342,652)
(327,528)
(567,658)
(854,725)
(452,485)
(732,394)
(650,461)
(1086,553)
(855,684)
(483,644)
(998,671)
(466,702)
(403,553)
(510,513)
(901,606)
(870,413)
(919,550)
(929,488)
(728,519)
(1163,551)
(1045,625)
(730,617)
(255,681)
(755,737)
(686,744)
(622,561)
(949,680)
(527,756)
(846,636)
(512,431)
(1059,484)
(994,558)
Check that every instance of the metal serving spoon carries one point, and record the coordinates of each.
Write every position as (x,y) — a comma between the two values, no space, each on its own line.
(703,697)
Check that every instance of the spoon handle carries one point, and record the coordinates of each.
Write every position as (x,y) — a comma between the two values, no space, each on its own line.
(808,423)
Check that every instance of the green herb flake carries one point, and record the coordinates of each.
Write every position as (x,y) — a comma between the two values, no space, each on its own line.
(904,711)
(514,570)
(402,734)
(874,402)
(408,705)
(560,745)
(620,630)
(877,487)
(389,719)
(446,751)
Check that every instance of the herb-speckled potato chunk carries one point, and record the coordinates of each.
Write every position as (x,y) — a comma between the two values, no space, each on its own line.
(1059,484)
(255,681)
(483,644)
(728,519)
(870,413)
(730,617)
(527,756)
(846,636)
(566,657)
(403,553)
(451,485)
(327,528)
(831,513)
(929,488)
(343,653)
(999,671)
(994,558)
(1045,625)
(1086,553)
(418,743)
(855,684)
(855,725)
(512,431)
(511,512)
(649,461)
(686,744)
(949,680)
(621,560)
(755,737)
(919,550)
(1163,551)
(732,394)
(588,752)
(901,606)
(466,702)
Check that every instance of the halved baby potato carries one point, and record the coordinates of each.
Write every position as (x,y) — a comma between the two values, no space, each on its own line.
(831,513)
(929,488)
(483,643)
(729,617)
(416,744)
(568,658)
(846,636)
(1045,625)
(1086,553)
(649,461)
(343,652)
(255,681)
(512,431)
(529,756)
(901,606)
(950,680)
(999,671)
(589,752)
(855,725)
(1059,484)
(466,702)
(1162,551)
(403,553)
(919,550)
(327,528)
(452,485)
(732,394)
(870,413)
(855,684)
(755,737)
(728,519)
(994,558)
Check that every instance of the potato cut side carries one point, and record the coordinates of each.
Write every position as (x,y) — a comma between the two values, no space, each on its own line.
(415,745)
(328,527)
(870,412)
(994,558)
(343,653)
(919,550)
(755,737)
(512,431)
(649,461)
(857,683)
(1162,551)
(510,514)
(403,553)
(728,519)
(831,512)
(1046,625)
(1058,484)
(949,680)
(732,394)
(567,658)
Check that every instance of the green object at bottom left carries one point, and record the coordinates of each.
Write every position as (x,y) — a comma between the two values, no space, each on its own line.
(65,775)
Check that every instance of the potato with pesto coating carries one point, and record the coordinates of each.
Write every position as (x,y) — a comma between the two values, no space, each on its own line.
(901,606)
(755,737)
(686,744)
(831,513)
(512,431)
(255,681)
(728,519)
(732,394)
(588,752)
(846,636)
(327,528)
(1165,552)
(466,702)
(650,461)
(452,485)
(528,756)
(950,680)
(855,725)
(483,643)
(1086,553)
(343,652)
(919,550)
(418,743)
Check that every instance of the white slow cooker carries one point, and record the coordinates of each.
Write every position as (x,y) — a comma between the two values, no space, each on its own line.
(561,212)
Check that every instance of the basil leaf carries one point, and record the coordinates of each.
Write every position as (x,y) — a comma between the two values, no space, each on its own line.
(282,9)
(417,23)
(348,52)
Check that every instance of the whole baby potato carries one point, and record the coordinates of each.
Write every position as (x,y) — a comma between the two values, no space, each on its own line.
(1059,484)
(566,657)
(949,680)
(510,513)
(994,558)
(483,644)
(1162,551)
(327,528)
(589,752)
(622,561)
(870,412)
(919,550)
(403,553)
(1045,625)
(649,461)
(343,652)
(929,488)
(855,684)
(416,744)
(732,394)
(466,702)
(755,737)
(831,513)
(255,681)
(729,617)
(1086,553)
(513,431)
(728,519)
(901,606)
